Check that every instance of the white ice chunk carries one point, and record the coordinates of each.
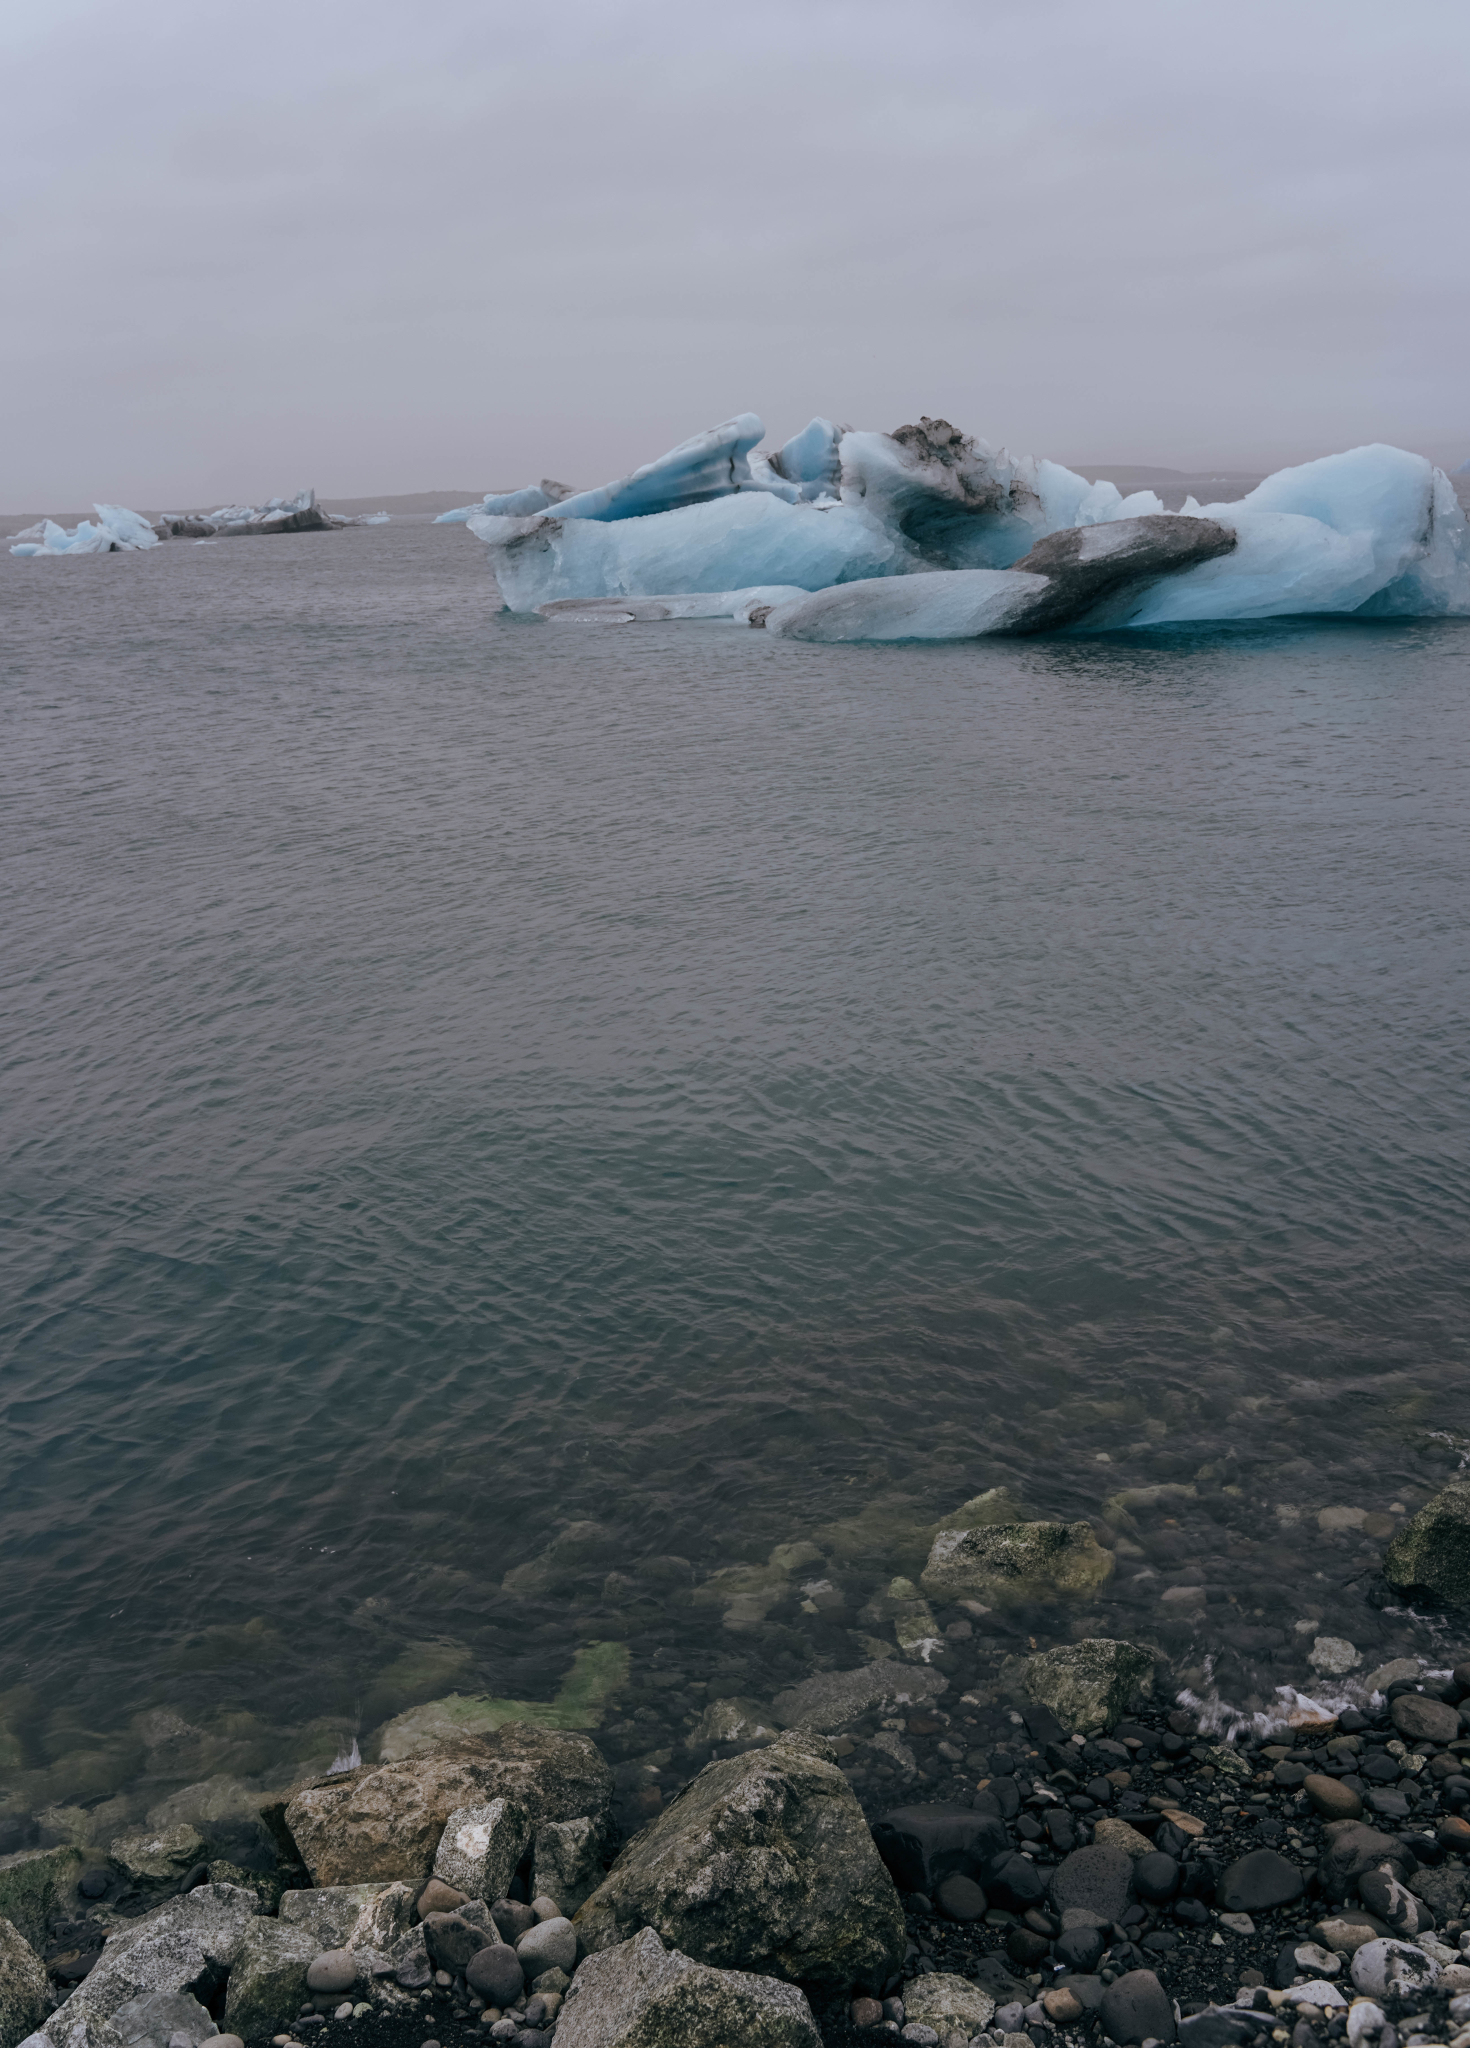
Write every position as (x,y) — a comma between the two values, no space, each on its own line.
(732,543)
(116,530)
(1375,529)
(941,604)
(501,505)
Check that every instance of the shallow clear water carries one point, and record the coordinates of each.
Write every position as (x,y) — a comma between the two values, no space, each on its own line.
(463,1075)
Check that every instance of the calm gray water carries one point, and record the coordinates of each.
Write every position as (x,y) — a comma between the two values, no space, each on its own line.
(463,1075)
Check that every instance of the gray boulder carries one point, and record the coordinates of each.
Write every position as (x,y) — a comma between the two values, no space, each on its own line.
(481,1846)
(25,1990)
(187,1944)
(642,1995)
(1016,1563)
(549,1945)
(1381,1967)
(155,1859)
(764,1862)
(830,1699)
(1431,1553)
(1098,573)
(385,1821)
(1099,1879)
(566,1861)
(350,1915)
(1090,1683)
(948,2004)
(153,2021)
(267,1985)
(34,1884)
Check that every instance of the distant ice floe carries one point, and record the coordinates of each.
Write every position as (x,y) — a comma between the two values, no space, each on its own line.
(118,530)
(948,539)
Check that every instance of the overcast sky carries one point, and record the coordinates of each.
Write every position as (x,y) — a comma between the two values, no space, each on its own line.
(381,248)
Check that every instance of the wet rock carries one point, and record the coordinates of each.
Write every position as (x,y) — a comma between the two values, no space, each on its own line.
(1431,1553)
(1012,1881)
(385,1821)
(1017,1563)
(580,1547)
(960,1898)
(1080,1948)
(763,1862)
(1382,1967)
(267,1984)
(746,1592)
(948,2004)
(1349,1848)
(35,1884)
(922,1845)
(155,1859)
(830,1699)
(1137,2008)
(1331,1798)
(641,1994)
(1088,1684)
(481,1847)
(549,1945)
(1394,1904)
(1421,1719)
(495,1974)
(733,1720)
(1156,1878)
(25,1993)
(566,1861)
(1097,1878)
(1255,1882)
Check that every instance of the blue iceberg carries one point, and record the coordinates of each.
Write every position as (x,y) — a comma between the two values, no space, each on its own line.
(115,531)
(1375,531)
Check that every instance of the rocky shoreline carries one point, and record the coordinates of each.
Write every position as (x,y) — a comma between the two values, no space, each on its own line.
(1083,1849)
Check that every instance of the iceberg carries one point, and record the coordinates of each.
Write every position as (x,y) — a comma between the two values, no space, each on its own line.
(301,514)
(1376,531)
(116,531)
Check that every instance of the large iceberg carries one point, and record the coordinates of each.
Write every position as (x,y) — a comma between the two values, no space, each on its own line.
(1376,531)
(116,530)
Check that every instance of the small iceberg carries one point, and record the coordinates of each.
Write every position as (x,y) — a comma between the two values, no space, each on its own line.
(115,531)
(301,514)
(953,524)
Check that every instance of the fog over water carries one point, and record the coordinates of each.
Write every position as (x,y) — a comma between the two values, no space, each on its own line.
(457,248)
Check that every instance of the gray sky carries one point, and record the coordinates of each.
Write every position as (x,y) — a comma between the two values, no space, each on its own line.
(381,248)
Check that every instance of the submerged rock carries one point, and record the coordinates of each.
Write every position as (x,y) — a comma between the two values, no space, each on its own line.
(764,1862)
(830,1699)
(155,1859)
(599,1671)
(1089,1684)
(1017,1562)
(25,1989)
(1431,1553)
(640,1994)
(734,1720)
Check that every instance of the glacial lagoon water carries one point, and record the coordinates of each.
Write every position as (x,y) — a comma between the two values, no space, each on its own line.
(465,1076)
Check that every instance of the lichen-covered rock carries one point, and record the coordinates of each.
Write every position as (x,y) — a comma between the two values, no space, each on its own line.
(1090,1683)
(642,1995)
(764,1863)
(186,1944)
(566,1861)
(34,1884)
(25,1990)
(948,2005)
(351,1915)
(268,1978)
(385,1821)
(268,1885)
(830,1699)
(481,1846)
(1431,1553)
(155,1859)
(1014,1563)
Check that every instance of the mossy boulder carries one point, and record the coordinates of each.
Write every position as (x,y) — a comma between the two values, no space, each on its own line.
(764,1863)
(1088,1684)
(1011,1564)
(1431,1553)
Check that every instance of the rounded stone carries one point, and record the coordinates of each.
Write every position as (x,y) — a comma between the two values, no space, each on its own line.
(1080,1949)
(1381,1967)
(1025,1946)
(513,1917)
(1332,1799)
(549,1945)
(1156,1878)
(1061,2006)
(1014,1882)
(1421,1719)
(1257,1881)
(334,1970)
(438,1897)
(93,1883)
(1454,1833)
(1137,2008)
(865,2012)
(495,1974)
(546,1909)
(960,1898)
(1097,1877)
